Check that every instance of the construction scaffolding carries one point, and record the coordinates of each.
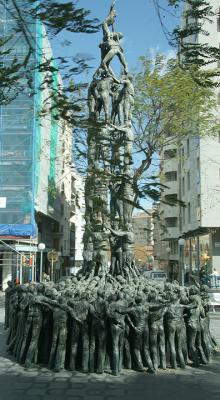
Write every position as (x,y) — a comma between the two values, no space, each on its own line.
(17,263)
(17,152)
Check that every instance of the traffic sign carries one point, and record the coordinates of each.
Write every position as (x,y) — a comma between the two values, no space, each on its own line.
(52,256)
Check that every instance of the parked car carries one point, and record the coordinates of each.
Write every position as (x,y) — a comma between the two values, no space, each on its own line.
(159,276)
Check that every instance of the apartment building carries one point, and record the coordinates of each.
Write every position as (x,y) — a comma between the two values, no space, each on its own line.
(192,174)
(166,221)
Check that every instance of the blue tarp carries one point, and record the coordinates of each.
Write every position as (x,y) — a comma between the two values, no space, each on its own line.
(19,230)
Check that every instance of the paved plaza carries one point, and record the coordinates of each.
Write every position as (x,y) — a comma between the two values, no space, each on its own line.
(40,383)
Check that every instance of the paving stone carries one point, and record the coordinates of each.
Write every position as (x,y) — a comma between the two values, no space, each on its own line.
(56,391)
(75,392)
(75,398)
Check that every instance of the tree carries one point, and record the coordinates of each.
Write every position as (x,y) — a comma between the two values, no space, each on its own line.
(56,17)
(169,106)
(197,15)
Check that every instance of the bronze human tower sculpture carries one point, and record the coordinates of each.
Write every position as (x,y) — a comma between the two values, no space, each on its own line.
(109,193)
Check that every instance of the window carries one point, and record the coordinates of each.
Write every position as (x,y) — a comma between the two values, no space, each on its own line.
(198,200)
(171,222)
(188,148)
(183,186)
(219,137)
(171,176)
(218,21)
(198,170)
(182,155)
(189,212)
(173,247)
(184,215)
(171,198)
(180,223)
(218,98)
(188,180)
(218,61)
(171,153)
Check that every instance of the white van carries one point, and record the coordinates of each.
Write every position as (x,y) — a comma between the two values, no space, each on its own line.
(159,276)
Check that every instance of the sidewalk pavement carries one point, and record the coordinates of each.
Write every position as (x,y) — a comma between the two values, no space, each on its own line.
(41,384)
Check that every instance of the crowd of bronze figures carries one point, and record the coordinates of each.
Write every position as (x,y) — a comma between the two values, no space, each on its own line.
(104,323)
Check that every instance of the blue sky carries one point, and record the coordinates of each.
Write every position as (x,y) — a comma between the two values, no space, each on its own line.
(137,20)
(139,23)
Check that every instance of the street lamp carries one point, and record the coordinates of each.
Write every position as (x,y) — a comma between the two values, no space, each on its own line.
(41,248)
(181,243)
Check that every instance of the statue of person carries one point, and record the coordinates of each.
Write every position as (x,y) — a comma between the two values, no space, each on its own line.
(33,303)
(109,21)
(59,337)
(116,252)
(111,44)
(9,291)
(102,97)
(15,343)
(208,342)
(128,98)
(13,317)
(175,333)
(193,327)
(117,103)
(112,48)
(116,200)
(127,345)
(127,236)
(105,47)
(116,313)
(138,318)
(79,332)
(157,335)
(87,251)
(128,199)
(100,238)
(92,95)
(128,141)
(103,149)
(98,333)
(35,314)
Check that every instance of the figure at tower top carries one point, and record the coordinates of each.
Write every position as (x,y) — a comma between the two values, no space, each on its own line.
(111,45)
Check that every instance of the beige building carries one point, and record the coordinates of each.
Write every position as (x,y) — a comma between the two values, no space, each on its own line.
(192,175)
(143,232)
(77,220)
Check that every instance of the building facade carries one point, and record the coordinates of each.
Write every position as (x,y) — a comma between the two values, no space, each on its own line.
(191,173)
(35,158)
(143,237)
(77,221)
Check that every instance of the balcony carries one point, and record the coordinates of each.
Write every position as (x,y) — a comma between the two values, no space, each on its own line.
(172,187)
(170,165)
(171,233)
(170,211)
